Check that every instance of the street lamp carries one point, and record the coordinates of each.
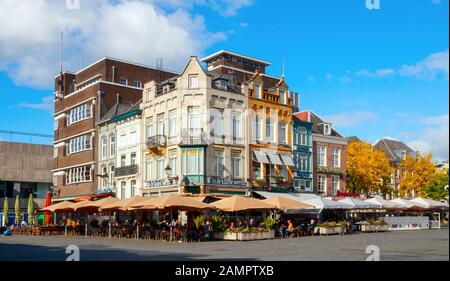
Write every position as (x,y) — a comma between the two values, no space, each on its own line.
(168,171)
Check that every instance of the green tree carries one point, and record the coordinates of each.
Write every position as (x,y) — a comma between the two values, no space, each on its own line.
(437,185)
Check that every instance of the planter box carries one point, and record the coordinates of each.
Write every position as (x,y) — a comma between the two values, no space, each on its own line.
(329,230)
(374,228)
(241,236)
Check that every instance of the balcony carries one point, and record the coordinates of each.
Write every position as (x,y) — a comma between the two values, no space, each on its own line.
(157,141)
(193,137)
(126,170)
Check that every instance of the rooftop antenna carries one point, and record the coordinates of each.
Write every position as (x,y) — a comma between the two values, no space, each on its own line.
(159,63)
(282,75)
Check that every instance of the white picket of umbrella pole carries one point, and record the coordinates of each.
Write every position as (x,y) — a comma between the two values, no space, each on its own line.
(86,226)
(109,225)
(65,230)
(137,232)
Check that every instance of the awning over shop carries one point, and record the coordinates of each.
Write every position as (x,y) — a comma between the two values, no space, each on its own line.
(261,157)
(287,159)
(275,159)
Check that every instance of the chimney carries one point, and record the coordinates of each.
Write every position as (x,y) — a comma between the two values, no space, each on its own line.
(100,104)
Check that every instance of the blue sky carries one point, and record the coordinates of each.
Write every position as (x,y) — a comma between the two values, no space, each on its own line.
(373,73)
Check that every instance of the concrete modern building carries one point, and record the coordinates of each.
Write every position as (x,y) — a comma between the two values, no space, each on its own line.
(81,100)
(302,155)
(269,116)
(25,169)
(396,151)
(329,155)
(194,128)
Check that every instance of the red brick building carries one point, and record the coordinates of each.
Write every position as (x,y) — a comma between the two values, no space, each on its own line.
(81,99)
(329,156)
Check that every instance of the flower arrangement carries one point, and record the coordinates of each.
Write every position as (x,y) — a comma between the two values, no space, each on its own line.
(269,223)
(332,224)
(247,230)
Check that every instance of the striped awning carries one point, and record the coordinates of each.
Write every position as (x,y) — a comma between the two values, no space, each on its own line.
(275,159)
(287,159)
(261,157)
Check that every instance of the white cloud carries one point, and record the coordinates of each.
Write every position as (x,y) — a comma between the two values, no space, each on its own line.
(385,72)
(45,104)
(244,24)
(137,30)
(435,137)
(311,78)
(436,1)
(364,73)
(429,68)
(329,77)
(345,79)
(351,119)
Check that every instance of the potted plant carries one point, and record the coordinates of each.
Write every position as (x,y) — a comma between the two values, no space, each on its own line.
(198,222)
(328,228)
(375,226)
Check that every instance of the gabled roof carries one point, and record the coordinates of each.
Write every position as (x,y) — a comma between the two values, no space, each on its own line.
(390,146)
(117,109)
(317,120)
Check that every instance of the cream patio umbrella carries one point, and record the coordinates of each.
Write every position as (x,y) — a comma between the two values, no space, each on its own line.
(171,202)
(30,210)
(238,203)
(284,203)
(122,205)
(17,211)
(5,211)
(61,207)
(94,206)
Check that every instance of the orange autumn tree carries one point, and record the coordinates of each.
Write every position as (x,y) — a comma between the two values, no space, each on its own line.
(417,172)
(368,169)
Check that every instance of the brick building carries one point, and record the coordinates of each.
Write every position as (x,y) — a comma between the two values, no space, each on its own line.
(329,156)
(81,100)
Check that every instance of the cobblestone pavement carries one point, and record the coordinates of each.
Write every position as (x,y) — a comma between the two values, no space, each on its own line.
(400,245)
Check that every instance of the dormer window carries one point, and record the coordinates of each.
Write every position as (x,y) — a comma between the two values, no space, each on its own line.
(283,98)
(220,84)
(327,129)
(257,90)
(166,88)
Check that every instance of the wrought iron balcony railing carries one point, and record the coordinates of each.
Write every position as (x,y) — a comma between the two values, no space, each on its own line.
(126,170)
(157,141)
(194,137)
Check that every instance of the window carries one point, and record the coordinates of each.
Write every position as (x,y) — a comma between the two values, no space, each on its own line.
(123,81)
(133,138)
(123,160)
(133,188)
(149,128)
(220,84)
(133,158)
(302,137)
(193,81)
(104,147)
(326,129)
(166,88)
(193,162)
(79,113)
(303,162)
(160,174)
(257,90)
(283,98)
(104,180)
(236,164)
(77,175)
(282,171)
(111,174)
(173,124)
(256,170)
(160,125)
(334,184)
(112,145)
(218,162)
(270,133)
(193,117)
(55,152)
(173,162)
(322,156)
(138,84)
(56,124)
(122,189)
(282,132)
(321,184)
(148,95)
(236,125)
(78,144)
(303,185)
(335,157)
(148,169)
(217,122)
(256,128)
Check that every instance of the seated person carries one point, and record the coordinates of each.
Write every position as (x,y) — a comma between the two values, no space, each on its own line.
(7,232)
(290,229)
